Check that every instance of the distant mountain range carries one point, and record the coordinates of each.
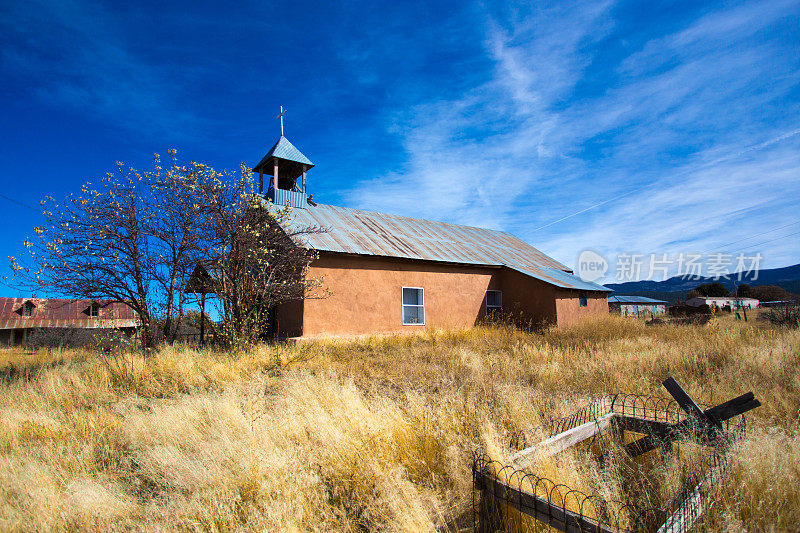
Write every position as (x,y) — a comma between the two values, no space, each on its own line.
(675,289)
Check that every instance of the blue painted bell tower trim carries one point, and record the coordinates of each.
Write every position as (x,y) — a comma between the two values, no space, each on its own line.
(291,198)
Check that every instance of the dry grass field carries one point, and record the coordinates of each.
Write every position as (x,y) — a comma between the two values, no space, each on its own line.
(370,434)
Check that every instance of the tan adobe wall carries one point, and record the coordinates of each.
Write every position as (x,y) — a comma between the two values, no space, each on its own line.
(570,311)
(367,295)
(526,300)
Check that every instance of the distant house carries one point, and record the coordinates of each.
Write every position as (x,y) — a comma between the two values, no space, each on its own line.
(723,301)
(778,303)
(19,317)
(389,273)
(636,305)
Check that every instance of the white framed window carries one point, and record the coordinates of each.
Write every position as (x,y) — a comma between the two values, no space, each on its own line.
(413,306)
(494,303)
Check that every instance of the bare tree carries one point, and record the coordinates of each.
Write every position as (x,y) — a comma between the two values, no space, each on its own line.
(176,226)
(95,245)
(136,237)
(132,238)
(253,256)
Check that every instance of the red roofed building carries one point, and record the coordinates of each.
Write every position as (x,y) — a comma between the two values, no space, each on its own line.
(20,316)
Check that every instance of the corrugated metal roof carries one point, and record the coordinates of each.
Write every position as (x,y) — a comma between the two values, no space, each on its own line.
(283,149)
(359,232)
(724,298)
(86,323)
(63,313)
(622,299)
(559,278)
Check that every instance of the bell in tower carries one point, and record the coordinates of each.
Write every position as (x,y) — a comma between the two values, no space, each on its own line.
(285,166)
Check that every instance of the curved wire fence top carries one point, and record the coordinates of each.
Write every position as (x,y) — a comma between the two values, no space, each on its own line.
(683,505)
(592,411)
(609,513)
(653,408)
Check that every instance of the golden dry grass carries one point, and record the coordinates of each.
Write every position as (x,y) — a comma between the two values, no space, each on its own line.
(375,433)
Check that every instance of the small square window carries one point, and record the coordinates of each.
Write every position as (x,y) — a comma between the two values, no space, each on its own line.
(93,310)
(494,303)
(582,298)
(413,306)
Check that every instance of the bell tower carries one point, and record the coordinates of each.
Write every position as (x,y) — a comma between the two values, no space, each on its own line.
(284,165)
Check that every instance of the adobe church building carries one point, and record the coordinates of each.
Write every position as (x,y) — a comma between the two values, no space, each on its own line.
(389,273)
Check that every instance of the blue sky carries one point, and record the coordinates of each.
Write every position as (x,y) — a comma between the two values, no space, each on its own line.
(619,127)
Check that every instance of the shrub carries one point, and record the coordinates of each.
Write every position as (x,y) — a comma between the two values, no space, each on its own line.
(712,289)
(108,341)
(688,310)
(768,293)
(61,338)
(785,315)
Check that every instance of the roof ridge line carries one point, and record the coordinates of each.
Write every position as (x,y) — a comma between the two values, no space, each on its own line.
(423,219)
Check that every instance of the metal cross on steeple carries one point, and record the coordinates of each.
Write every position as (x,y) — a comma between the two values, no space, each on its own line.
(280,116)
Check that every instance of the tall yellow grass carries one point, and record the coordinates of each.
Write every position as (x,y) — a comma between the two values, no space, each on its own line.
(375,433)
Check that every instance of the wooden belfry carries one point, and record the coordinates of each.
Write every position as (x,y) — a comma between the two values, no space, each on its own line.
(286,164)
(512,484)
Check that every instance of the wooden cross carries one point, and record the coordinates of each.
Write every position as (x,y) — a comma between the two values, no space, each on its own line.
(707,424)
(280,116)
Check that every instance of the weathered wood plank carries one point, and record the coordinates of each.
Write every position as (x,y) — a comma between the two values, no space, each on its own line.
(686,402)
(686,515)
(734,407)
(704,433)
(640,425)
(560,442)
(706,425)
(651,441)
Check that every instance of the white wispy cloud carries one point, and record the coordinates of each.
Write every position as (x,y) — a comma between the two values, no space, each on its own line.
(467,157)
(685,142)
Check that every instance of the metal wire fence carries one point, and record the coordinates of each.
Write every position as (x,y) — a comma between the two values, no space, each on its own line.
(509,499)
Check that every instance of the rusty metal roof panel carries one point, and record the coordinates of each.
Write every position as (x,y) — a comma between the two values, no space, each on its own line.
(367,233)
(559,278)
(31,323)
(353,231)
(63,312)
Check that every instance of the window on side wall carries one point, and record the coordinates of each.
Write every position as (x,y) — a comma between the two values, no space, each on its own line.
(413,306)
(582,298)
(494,304)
